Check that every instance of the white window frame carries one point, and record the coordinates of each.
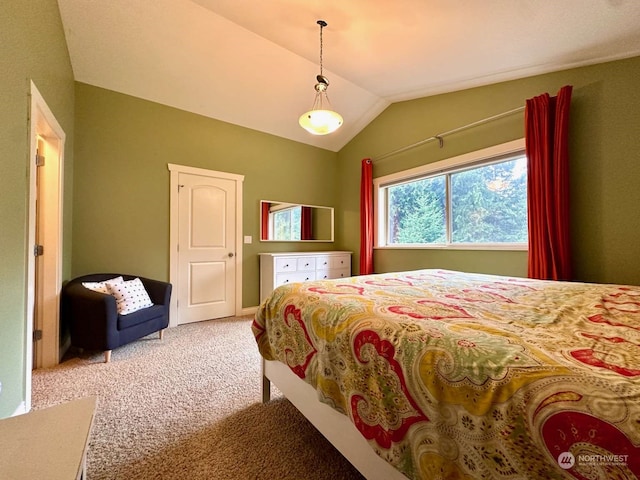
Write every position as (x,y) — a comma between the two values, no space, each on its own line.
(448,165)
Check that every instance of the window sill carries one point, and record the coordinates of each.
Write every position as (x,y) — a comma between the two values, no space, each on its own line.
(466,246)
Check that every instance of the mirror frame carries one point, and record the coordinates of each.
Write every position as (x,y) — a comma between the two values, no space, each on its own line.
(324,207)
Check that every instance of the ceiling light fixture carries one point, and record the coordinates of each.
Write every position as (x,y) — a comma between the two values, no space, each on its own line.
(321,120)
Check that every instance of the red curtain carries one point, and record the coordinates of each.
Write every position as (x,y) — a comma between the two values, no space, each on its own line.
(264,220)
(306,221)
(546,139)
(366,218)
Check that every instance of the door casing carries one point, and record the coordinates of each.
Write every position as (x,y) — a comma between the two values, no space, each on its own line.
(174,232)
(43,126)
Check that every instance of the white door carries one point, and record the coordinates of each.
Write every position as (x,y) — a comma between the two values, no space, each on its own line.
(206,286)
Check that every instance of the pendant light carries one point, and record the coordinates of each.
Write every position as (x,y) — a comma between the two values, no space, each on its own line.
(321,120)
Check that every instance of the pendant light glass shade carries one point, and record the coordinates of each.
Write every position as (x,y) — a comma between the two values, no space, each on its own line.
(320,122)
(321,119)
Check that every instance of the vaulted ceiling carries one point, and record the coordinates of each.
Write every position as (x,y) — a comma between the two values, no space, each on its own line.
(254,63)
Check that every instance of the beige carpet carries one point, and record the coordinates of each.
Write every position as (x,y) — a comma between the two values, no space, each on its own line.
(188,407)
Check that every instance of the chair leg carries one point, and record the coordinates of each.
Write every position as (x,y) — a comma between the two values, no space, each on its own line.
(107,356)
(161,334)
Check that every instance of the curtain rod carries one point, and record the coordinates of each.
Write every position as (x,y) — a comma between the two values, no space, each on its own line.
(440,136)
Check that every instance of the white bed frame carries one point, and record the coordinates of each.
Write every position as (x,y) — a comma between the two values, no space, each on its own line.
(336,427)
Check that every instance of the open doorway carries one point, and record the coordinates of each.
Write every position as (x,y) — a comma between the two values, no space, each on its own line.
(44,243)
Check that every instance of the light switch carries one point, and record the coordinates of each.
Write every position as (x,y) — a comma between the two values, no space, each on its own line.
(248,239)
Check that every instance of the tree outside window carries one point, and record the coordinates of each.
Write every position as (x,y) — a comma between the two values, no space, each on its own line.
(483,204)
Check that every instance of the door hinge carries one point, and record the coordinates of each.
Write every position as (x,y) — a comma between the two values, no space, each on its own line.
(38,250)
(39,160)
(37,335)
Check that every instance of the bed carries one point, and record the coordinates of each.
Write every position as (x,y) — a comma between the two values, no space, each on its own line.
(436,374)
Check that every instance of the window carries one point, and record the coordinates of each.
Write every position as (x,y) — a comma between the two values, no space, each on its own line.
(477,200)
(284,224)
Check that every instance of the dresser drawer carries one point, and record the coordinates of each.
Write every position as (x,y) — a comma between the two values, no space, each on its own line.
(323,262)
(286,264)
(305,264)
(285,278)
(323,274)
(333,273)
(340,273)
(340,261)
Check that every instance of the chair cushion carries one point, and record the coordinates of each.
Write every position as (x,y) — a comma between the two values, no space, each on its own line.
(101,287)
(141,316)
(131,295)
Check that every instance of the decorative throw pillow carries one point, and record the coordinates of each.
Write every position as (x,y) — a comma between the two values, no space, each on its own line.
(101,287)
(131,296)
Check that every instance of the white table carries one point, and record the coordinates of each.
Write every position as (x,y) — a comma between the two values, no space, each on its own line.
(50,443)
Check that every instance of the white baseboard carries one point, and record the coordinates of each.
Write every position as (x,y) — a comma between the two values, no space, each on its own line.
(244,312)
(249,310)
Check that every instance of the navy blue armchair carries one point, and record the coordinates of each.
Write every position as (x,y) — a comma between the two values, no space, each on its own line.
(93,319)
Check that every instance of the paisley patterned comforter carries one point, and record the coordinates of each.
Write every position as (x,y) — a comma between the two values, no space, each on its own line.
(452,375)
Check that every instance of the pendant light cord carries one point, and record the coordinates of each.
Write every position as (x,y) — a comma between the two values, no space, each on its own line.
(322,24)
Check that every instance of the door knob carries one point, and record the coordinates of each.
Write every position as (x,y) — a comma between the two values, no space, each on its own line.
(230,254)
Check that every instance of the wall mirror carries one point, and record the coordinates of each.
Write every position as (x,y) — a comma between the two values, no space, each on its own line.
(295,222)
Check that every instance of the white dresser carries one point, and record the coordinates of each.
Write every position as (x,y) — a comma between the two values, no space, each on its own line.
(279,268)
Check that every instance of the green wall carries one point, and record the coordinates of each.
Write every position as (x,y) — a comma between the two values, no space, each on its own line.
(604,166)
(121,202)
(32,47)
